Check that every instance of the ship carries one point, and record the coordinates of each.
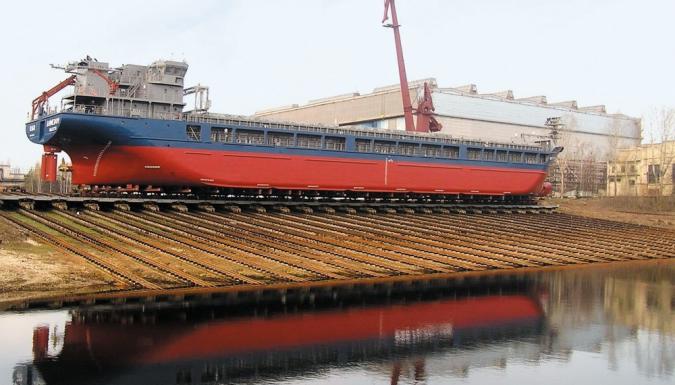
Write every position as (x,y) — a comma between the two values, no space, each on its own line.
(121,347)
(129,128)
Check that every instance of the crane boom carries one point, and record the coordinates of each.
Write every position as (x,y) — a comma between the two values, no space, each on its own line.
(42,99)
(426,122)
(112,85)
(405,90)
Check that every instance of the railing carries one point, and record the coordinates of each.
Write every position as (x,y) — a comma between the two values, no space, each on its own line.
(240,121)
(374,133)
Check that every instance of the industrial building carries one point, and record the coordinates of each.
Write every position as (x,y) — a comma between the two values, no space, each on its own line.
(646,170)
(10,178)
(590,135)
(464,113)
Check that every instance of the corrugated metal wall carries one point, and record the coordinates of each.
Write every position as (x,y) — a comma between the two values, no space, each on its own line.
(588,134)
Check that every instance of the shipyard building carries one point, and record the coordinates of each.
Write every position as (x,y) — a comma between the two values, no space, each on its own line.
(590,135)
(11,178)
(647,170)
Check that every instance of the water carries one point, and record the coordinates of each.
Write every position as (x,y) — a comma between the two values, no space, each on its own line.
(579,326)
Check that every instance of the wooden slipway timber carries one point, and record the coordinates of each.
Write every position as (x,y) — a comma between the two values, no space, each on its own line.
(182,250)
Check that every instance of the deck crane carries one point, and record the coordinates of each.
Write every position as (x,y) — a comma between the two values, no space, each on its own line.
(112,85)
(40,101)
(425,107)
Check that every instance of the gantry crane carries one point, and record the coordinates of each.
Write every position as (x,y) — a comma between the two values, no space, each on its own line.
(425,107)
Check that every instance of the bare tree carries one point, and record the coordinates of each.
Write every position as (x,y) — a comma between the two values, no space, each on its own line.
(660,136)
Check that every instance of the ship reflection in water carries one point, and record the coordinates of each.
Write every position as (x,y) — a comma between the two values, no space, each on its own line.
(575,326)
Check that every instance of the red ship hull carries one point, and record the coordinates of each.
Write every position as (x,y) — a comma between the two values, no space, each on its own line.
(166,166)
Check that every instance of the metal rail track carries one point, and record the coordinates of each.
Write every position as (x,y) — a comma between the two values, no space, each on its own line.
(204,250)
(106,248)
(120,274)
(454,254)
(561,232)
(289,242)
(212,237)
(266,265)
(494,237)
(336,243)
(148,257)
(160,249)
(459,234)
(167,246)
(376,239)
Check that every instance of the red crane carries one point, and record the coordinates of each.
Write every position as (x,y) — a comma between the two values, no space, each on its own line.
(112,85)
(40,101)
(425,120)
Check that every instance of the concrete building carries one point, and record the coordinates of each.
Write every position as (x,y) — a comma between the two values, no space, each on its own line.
(588,132)
(641,171)
(10,178)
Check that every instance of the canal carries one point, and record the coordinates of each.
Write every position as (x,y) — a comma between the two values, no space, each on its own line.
(594,325)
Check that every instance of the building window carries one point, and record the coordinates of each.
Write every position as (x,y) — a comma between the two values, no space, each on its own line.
(631,182)
(220,135)
(194,132)
(654,173)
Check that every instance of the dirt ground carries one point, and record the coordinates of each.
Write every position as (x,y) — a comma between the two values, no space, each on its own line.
(31,269)
(603,208)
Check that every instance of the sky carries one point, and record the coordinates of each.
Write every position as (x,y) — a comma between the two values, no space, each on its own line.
(257,54)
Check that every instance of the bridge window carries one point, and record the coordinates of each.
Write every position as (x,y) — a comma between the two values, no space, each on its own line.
(363,145)
(194,132)
(530,158)
(431,150)
(515,157)
(220,134)
(474,153)
(407,148)
(280,139)
(384,147)
(450,152)
(250,137)
(309,141)
(488,154)
(335,143)
(543,158)
(501,156)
